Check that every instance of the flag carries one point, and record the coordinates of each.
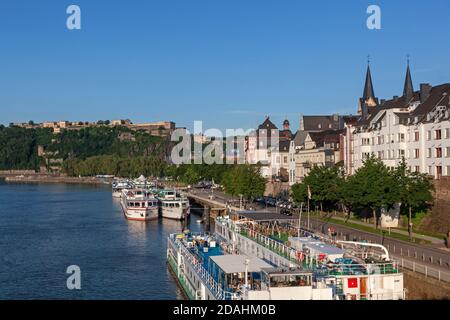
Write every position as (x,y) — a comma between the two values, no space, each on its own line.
(352,283)
(309,192)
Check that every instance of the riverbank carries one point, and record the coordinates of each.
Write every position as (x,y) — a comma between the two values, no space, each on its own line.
(43,178)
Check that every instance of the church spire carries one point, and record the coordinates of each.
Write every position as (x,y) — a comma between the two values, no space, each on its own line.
(408,89)
(368,87)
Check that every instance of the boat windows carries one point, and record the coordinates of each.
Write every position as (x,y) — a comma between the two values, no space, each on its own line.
(290,280)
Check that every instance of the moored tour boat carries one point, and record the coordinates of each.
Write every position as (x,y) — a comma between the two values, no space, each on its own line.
(139,204)
(173,205)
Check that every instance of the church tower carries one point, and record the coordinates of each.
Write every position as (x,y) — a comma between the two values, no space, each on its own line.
(368,100)
(408,89)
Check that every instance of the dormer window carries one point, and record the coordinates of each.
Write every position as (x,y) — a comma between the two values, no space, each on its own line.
(320,126)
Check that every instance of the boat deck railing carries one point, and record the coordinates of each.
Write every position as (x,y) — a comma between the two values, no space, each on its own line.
(207,279)
(320,268)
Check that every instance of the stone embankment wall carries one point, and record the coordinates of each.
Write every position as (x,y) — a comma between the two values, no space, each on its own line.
(439,219)
(276,188)
(421,288)
(15,172)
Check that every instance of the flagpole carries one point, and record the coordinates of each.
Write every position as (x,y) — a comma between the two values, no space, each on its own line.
(309,197)
(308,214)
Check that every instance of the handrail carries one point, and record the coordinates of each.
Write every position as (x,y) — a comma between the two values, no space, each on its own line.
(209,281)
(319,269)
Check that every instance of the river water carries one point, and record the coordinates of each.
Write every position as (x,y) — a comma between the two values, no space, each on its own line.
(46,228)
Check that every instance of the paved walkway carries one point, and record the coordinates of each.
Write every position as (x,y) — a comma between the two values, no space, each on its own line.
(433,240)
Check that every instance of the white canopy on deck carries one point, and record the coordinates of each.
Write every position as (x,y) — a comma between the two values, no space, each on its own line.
(236,263)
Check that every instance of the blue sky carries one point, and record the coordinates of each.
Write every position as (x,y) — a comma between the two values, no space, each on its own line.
(226,62)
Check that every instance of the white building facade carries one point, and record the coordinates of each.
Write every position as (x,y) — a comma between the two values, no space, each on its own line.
(415,126)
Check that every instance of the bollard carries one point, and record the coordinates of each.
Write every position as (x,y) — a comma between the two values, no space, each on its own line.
(401,251)
(415,254)
(440,261)
(431,259)
(423,256)
(408,252)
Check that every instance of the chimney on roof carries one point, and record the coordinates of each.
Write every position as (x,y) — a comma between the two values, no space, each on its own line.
(425,89)
(395,98)
(382,101)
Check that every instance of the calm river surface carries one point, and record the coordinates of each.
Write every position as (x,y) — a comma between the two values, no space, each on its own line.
(46,228)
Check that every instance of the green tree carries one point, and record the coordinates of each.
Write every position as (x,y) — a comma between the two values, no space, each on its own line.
(190,176)
(299,192)
(245,180)
(325,184)
(415,191)
(372,186)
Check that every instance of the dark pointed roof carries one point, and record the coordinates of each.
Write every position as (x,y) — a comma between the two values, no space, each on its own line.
(267,124)
(368,87)
(408,89)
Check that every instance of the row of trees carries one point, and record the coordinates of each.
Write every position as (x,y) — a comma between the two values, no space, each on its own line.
(114,165)
(373,187)
(237,180)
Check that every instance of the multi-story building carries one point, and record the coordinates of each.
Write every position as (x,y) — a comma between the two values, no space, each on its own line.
(414,126)
(268,146)
(309,149)
(162,128)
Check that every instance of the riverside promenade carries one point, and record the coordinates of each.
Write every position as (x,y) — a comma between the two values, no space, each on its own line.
(46,178)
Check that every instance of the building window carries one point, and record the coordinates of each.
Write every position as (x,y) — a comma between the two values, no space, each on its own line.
(416,136)
(417,153)
(417,169)
(438,152)
(447,152)
(379,140)
(429,153)
(401,137)
(430,170)
(366,155)
(439,171)
(447,133)
(401,153)
(448,170)
(438,134)
(428,135)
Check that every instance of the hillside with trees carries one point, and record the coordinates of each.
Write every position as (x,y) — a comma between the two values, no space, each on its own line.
(87,151)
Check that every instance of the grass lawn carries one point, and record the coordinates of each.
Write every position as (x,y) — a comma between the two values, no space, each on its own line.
(372,230)
(416,221)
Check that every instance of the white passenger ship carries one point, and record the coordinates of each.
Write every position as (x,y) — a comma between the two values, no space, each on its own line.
(173,205)
(139,204)
(242,262)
